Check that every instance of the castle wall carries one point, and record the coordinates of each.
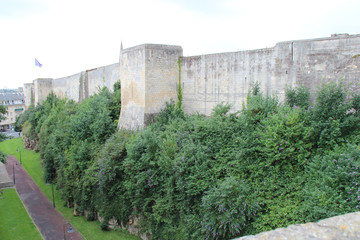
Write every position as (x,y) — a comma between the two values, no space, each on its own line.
(208,80)
(162,76)
(102,77)
(76,87)
(149,76)
(132,75)
(68,87)
(328,59)
(28,94)
(42,88)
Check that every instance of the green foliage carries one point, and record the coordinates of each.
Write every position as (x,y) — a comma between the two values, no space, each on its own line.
(69,136)
(32,163)
(3,157)
(3,111)
(334,118)
(258,106)
(110,178)
(104,225)
(227,209)
(19,122)
(333,184)
(284,139)
(2,137)
(299,97)
(195,177)
(26,128)
(168,114)
(221,109)
(115,102)
(180,91)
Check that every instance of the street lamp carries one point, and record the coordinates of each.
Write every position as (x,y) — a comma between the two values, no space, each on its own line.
(14,172)
(71,230)
(19,150)
(52,190)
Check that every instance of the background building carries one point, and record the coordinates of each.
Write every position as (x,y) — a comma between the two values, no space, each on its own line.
(14,102)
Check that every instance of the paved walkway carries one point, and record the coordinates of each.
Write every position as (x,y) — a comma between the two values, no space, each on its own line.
(47,219)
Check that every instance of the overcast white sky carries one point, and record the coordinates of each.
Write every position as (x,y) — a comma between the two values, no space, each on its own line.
(69,36)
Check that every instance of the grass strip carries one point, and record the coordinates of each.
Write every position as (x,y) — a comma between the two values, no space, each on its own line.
(15,223)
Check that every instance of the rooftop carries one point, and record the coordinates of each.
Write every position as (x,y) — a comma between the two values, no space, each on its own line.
(11,96)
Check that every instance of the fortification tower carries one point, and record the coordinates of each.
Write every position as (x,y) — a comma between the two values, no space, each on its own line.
(42,88)
(149,75)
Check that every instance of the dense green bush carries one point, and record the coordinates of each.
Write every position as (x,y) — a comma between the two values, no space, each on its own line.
(299,97)
(110,178)
(195,177)
(333,183)
(20,120)
(334,116)
(3,157)
(2,136)
(227,209)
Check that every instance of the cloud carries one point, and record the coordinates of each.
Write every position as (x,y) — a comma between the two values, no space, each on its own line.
(71,36)
(18,8)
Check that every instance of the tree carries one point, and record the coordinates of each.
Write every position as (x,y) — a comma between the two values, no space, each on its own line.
(2,136)
(3,111)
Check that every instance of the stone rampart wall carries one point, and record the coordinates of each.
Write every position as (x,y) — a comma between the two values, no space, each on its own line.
(132,76)
(208,80)
(28,94)
(102,77)
(67,87)
(76,87)
(149,75)
(42,88)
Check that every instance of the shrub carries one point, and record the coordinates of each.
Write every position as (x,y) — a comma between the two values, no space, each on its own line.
(228,209)
(334,117)
(104,225)
(299,96)
(2,137)
(197,177)
(333,184)
(3,157)
(110,175)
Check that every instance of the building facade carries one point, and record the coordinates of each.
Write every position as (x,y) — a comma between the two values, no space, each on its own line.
(15,105)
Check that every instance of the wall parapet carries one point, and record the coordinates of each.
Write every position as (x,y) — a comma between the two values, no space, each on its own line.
(339,227)
(77,87)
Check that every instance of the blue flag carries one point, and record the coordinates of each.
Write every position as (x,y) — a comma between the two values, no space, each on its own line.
(37,63)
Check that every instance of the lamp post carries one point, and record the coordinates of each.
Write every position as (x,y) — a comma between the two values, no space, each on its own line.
(71,230)
(19,150)
(52,190)
(14,172)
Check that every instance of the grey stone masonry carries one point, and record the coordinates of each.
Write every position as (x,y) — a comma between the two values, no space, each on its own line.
(150,75)
(340,227)
(5,180)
